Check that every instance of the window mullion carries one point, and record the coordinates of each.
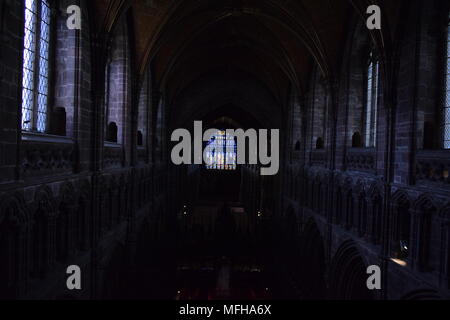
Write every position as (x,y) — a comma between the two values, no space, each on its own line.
(445,113)
(36,66)
(374,101)
(372,87)
(368,108)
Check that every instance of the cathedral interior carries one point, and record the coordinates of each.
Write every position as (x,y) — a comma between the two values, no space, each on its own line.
(91,92)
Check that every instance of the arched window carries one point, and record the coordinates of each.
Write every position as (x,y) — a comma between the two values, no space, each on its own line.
(402,226)
(36,48)
(140,139)
(111,132)
(296,121)
(356,140)
(221,152)
(117,77)
(144,108)
(446,110)
(319,112)
(319,143)
(371,108)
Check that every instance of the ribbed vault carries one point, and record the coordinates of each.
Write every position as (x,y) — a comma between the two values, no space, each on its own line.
(275,43)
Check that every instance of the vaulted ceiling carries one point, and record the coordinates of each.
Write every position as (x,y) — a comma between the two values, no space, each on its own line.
(275,42)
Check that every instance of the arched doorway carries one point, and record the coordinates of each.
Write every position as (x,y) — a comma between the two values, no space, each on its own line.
(348,277)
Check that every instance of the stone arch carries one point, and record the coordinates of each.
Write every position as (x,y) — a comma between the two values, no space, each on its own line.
(347,275)
(426,233)
(349,208)
(338,205)
(65,222)
(12,209)
(425,201)
(319,194)
(400,196)
(376,213)
(375,189)
(421,295)
(309,183)
(360,186)
(400,224)
(67,192)
(43,233)
(44,197)
(347,183)
(345,203)
(361,210)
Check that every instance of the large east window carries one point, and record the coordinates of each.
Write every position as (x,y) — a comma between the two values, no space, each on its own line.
(36,65)
(446,110)
(221,152)
(371,109)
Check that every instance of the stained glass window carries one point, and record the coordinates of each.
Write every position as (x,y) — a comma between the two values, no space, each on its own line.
(221,153)
(447,92)
(371,110)
(36,45)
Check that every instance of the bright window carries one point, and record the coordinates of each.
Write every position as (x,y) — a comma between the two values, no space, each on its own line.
(35,65)
(447,93)
(371,110)
(221,152)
